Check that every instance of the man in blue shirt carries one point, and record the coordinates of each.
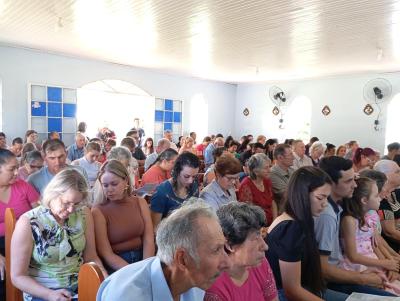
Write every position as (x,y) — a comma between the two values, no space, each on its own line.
(189,259)
(208,152)
(77,150)
(55,157)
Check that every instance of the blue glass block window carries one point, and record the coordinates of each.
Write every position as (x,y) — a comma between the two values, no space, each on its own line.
(54,94)
(177,116)
(159,116)
(54,109)
(69,110)
(167,126)
(168,105)
(168,116)
(54,124)
(38,108)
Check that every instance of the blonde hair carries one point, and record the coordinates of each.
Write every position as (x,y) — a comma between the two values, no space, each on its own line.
(116,168)
(65,180)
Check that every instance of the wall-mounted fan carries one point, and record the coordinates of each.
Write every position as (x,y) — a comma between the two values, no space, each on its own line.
(376,91)
(278,97)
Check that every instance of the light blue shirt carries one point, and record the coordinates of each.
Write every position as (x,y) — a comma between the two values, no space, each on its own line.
(74,153)
(208,155)
(142,281)
(213,195)
(42,177)
(150,159)
(92,169)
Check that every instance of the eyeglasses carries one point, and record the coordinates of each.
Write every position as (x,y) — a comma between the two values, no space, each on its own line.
(74,206)
(35,166)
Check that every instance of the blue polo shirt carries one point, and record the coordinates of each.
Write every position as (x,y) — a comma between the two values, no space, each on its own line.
(75,153)
(142,281)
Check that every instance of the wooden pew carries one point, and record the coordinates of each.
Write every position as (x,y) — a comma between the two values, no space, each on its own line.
(12,293)
(89,278)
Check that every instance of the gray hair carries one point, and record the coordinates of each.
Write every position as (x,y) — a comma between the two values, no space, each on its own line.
(181,230)
(163,143)
(120,153)
(317,145)
(65,180)
(256,162)
(386,166)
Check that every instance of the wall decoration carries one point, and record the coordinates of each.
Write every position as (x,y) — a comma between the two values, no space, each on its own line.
(275,111)
(326,110)
(368,109)
(246,112)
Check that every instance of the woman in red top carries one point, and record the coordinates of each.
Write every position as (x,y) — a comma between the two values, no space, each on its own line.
(257,188)
(161,169)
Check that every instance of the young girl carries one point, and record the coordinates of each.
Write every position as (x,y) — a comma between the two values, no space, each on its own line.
(358,236)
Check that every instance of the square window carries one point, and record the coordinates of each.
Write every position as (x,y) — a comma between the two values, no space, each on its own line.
(69,95)
(168,104)
(159,104)
(159,116)
(69,125)
(68,139)
(38,93)
(54,94)
(167,126)
(177,128)
(38,108)
(168,116)
(39,124)
(69,110)
(54,109)
(54,125)
(177,116)
(177,106)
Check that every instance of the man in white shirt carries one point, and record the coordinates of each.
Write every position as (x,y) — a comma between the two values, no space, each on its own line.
(299,153)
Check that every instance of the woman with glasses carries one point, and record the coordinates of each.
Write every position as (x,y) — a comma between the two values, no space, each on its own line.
(31,162)
(364,158)
(124,232)
(171,193)
(52,241)
(221,190)
(249,276)
(14,193)
(257,187)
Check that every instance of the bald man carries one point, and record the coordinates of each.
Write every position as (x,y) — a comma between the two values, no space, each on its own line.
(76,150)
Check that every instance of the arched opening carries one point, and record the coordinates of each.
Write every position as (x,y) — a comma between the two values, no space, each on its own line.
(298,119)
(199,116)
(115,104)
(393,121)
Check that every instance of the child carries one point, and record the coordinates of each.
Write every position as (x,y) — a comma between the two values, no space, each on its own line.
(358,236)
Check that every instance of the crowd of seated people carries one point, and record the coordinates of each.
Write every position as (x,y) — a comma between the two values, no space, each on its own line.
(288,221)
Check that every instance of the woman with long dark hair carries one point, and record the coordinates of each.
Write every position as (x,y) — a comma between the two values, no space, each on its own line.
(173,192)
(293,252)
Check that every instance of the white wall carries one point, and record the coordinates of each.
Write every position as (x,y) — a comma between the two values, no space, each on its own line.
(18,67)
(344,95)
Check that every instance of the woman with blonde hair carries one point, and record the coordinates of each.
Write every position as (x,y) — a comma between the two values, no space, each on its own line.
(124,231)
(52,241)
(187,146)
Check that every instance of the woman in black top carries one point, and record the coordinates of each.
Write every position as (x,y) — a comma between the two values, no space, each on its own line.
(293,251)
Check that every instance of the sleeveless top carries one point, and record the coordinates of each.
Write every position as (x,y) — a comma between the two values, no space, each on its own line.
(57,252)
(125,224)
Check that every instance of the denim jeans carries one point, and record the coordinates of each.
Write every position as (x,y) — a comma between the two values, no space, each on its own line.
(355,288)
(129,257)
(328,295)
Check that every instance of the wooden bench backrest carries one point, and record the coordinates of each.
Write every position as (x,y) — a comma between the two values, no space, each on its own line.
(89,280)
(12,293)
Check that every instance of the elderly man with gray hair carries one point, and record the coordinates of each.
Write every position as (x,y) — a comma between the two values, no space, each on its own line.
(389,209)
(189,259)
(162,145)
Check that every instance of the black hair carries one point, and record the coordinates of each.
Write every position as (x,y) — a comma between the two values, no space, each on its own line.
(238,220)
(334,166)
(257,145)
(5,156)
(378,176)
(17,140)
(82,127)
(393,146)
(227,141)
(32,156)
(304,181)
(2,135)
(219,136)
(217,152)
(244,144)
(280,150)
(184,159)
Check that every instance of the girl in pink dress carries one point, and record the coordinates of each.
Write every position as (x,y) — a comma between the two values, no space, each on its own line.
(358,235)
